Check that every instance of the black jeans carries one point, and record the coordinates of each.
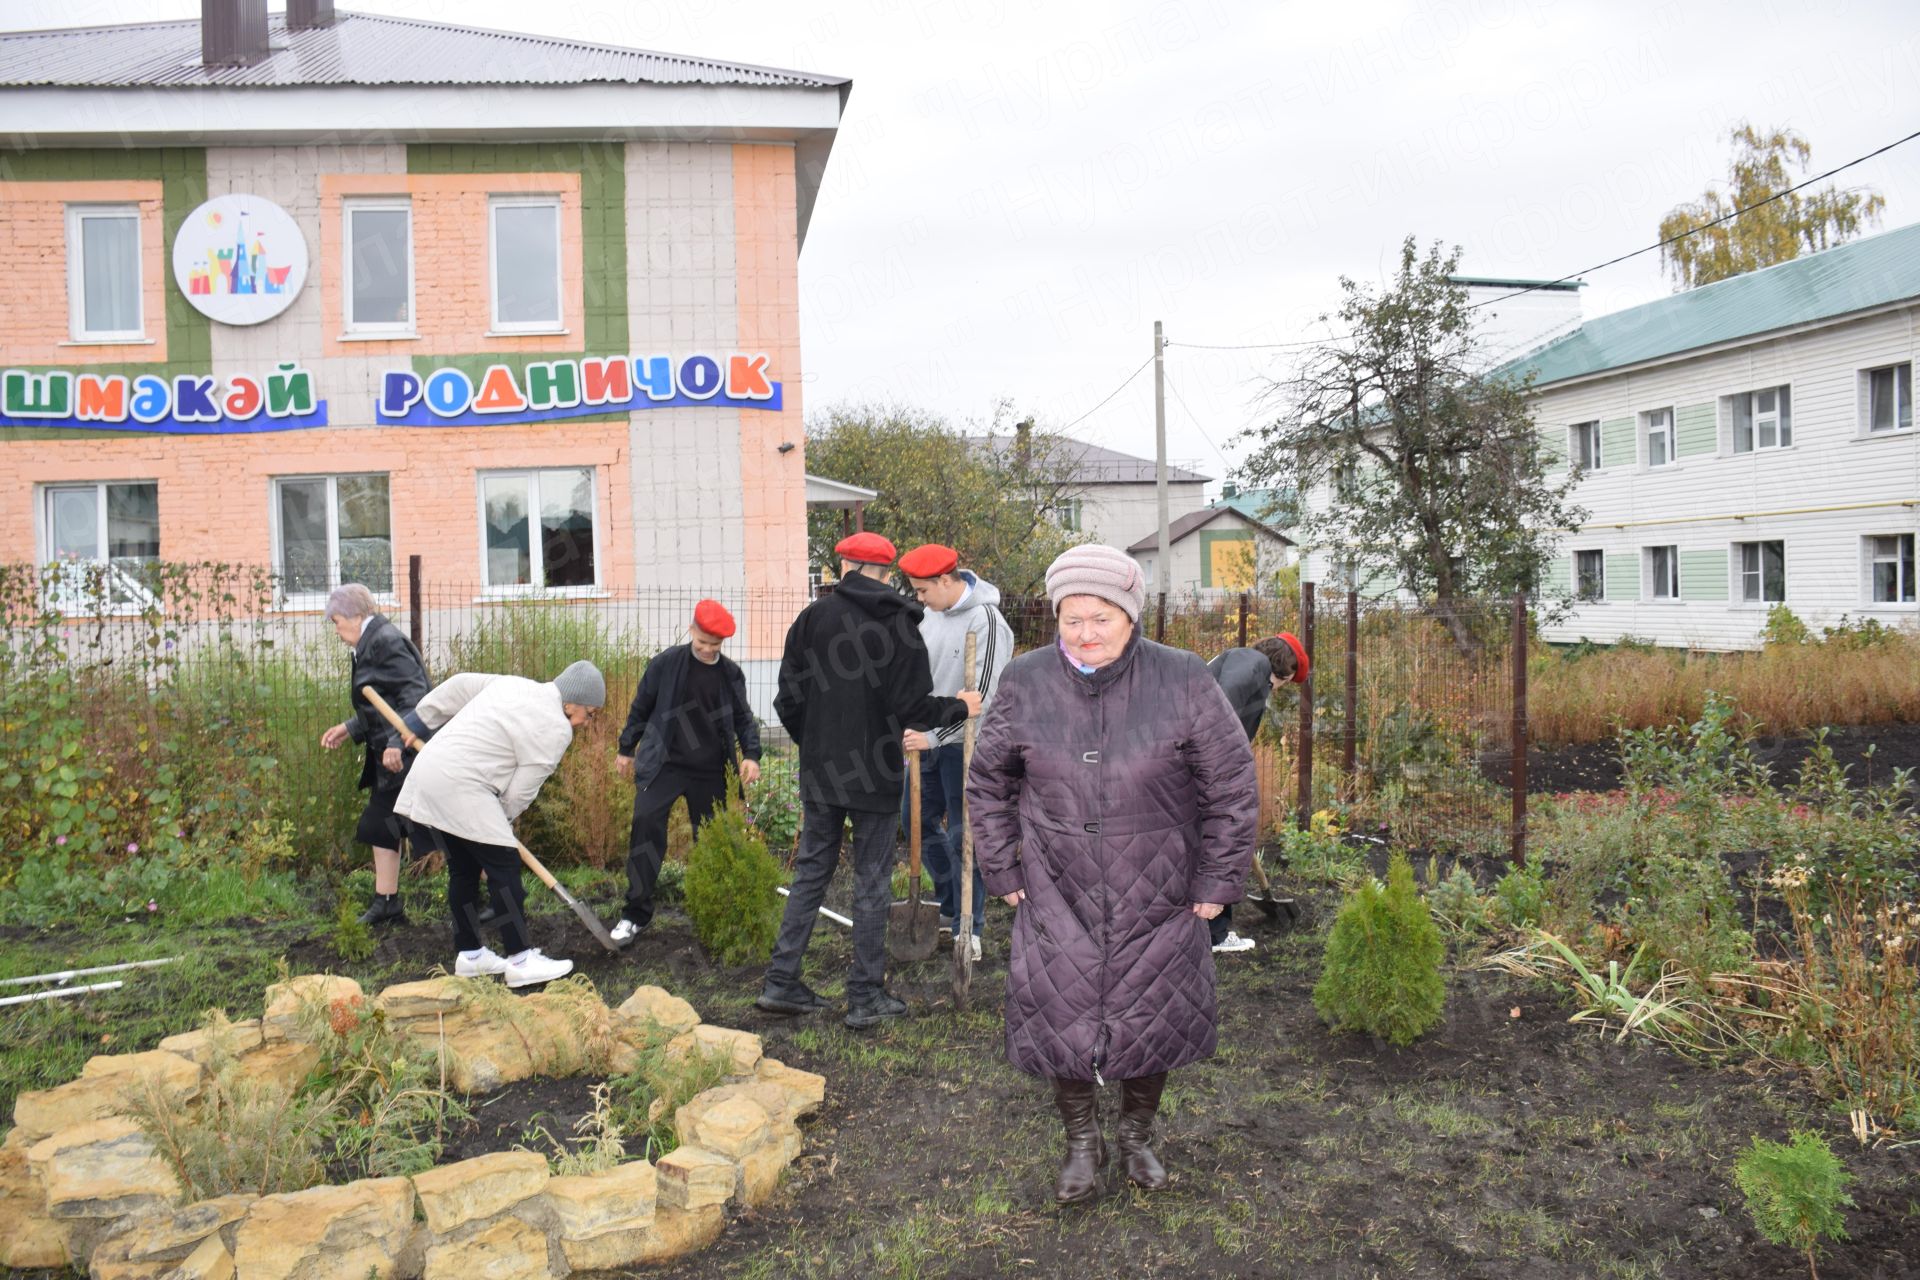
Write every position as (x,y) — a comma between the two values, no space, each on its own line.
(813,865)
(1221,925)
(466,859)
(647,845)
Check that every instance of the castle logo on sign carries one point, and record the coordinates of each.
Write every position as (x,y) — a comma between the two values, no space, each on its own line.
(239,259)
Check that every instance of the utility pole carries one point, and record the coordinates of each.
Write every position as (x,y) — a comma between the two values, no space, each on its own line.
(1163,557)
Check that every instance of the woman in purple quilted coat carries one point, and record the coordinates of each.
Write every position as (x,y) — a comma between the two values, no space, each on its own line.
(1113,804)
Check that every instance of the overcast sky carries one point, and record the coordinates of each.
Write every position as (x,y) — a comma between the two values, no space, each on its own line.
(1022,187)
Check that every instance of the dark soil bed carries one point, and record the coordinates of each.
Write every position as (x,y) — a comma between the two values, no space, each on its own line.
(1595,766)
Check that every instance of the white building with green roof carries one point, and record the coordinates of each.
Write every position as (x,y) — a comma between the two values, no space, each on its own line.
(1742,445)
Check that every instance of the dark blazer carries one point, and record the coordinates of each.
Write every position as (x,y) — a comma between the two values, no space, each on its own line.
(1246,677)
(386,659)
(649,731)
(853,678)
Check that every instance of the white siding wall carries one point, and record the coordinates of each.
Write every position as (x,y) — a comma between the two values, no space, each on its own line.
(1122,514)
(1708,501)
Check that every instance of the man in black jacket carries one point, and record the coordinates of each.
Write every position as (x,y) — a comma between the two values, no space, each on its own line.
(853,677)
(1249,677)
(688,716)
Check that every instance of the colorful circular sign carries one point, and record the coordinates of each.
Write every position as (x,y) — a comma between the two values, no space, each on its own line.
(240,259)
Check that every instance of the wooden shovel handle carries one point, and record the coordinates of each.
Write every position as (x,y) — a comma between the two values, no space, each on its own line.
(913,826)
(408,736)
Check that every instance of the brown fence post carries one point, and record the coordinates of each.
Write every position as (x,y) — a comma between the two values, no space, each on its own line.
(1160,621)
(1304,816)
(416,619)
(1243,619)
(1351,712)
(1519,779)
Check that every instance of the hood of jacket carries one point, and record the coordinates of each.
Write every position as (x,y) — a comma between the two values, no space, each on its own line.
(878,599)
(980,593)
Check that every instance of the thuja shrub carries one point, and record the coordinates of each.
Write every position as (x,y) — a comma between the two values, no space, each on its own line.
(1381,974)
(730,887)
(1795,1192)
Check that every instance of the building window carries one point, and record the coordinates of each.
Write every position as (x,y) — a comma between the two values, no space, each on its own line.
(539,528)
(1890,398)
(1763,572)
(1583,445)
(1067,512)
(1663,573)
(526,264)
(1890,564)
(1762,420)
(110,528)
(103,273)
(1657,427)
(332,529)
(379,284)
(1590,575)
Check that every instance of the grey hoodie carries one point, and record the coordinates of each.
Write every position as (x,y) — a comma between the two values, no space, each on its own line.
(945,635)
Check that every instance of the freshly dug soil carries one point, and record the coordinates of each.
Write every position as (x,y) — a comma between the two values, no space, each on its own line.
(1595,766)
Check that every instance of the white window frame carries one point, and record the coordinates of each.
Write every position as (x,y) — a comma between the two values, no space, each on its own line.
(1903,582)
(1780,420)
(1589,432)
(559,323)
(1758,572)
(1650,557)
(410,326)
(60,598)
(1648,431)
(1867,429)
(277,546)
(77,274)
(536,556)
(1600,596)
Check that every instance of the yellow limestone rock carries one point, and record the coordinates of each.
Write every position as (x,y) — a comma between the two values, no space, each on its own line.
(285,999)
(507,1250)
(280,1066)
(326,1232)
(744,1046)
(676,1232)
(658,1006)
(727,1126)
(104,1089)
(805,1090)
(210,1261)
(621,1199)
(690,1178)
(102,1169)
(405,1001)
(482,1053)
(28,1237)
(149,1246)
(455,1194)
(760,1170)
(198,1046)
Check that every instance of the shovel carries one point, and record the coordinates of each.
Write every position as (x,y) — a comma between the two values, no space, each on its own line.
(963,928)
(1265,900)
(587,917)
(912,930)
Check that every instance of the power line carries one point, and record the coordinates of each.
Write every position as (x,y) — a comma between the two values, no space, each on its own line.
(1110,395)
(1727,217)
(1250,346)
(1195,419)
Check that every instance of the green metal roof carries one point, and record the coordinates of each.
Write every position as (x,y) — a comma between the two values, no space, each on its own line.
(1255,504)
(1509,282)
(1867,273)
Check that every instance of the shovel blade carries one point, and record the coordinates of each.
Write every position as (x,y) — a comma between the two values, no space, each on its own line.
(913,930)
(588,918)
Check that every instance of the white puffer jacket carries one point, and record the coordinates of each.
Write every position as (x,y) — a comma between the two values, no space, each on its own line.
(503,736)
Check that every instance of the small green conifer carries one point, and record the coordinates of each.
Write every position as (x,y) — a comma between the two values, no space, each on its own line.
(1381,974)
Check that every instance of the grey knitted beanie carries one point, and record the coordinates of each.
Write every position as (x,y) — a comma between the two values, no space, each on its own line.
(582,685)
(1097,570)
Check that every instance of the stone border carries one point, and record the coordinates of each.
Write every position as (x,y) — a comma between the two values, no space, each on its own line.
(81,1184)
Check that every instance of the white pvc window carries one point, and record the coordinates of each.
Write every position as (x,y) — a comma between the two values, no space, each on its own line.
(538,529)
(1663,573)
(1762,420)
(1583,445)
(1763,572)
(1890,398)
(1590,575)
(109,531)
(379,266)
(332,529)
(103,273)
(1890,568)
(1658,429)
(524,232)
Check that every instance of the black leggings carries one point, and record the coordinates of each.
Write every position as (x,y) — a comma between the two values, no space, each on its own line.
(466,859)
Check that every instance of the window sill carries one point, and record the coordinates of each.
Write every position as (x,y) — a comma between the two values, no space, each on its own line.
(1875,437)
(526,333)
(498,595)
(395,336)
(110,342)
(1735,456)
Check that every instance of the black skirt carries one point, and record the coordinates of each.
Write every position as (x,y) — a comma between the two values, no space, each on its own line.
(378,826)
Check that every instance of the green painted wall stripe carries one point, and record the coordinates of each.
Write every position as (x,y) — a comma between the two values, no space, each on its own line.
(1616,443)
(1559,576)
(1696,429)
(1623,575)
(602,167)
(1703,575)
(1553,447)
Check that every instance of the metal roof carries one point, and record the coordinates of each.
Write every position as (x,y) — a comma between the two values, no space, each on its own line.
(358,49)
(1092,464)
(1194,521)
(1868,273)
(1506,282)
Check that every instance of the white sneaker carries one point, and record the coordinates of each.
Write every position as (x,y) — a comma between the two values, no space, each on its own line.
(1232,942)
(624,932)
(530,969)
(973,946)
(481,964)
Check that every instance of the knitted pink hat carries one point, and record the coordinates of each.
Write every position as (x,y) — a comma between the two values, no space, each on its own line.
(1097,570)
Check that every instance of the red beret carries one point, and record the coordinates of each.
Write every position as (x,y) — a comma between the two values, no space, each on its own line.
(712,617)
(865,548)
(1300,663)
(929,561)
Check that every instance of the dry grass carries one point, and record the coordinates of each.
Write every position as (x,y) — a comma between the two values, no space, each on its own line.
(1783,688)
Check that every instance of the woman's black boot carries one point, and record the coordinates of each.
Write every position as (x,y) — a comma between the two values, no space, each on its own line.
(386,909)
(1139,1101)
(1079,1104)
